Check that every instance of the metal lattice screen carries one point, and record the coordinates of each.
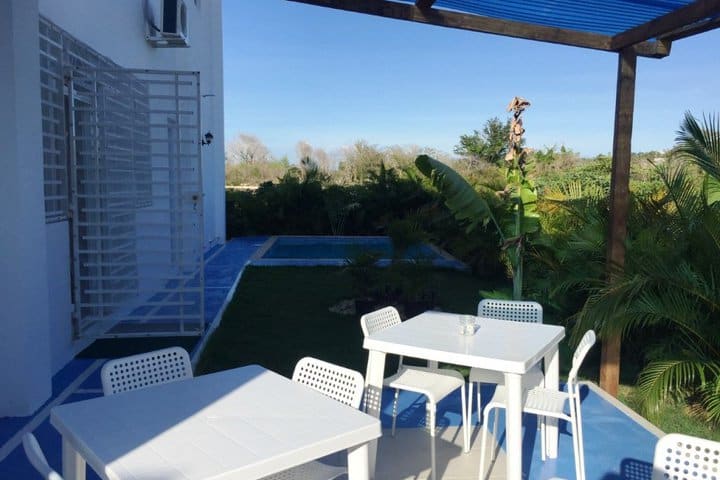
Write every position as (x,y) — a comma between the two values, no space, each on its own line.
(53,122)
(136,202)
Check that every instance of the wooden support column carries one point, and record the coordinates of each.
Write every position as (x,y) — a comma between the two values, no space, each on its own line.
(619,202)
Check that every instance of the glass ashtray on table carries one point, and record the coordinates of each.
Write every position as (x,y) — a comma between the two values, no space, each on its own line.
(467,325)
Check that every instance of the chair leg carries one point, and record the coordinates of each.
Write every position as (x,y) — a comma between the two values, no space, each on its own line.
(465,414)
(496,429)
(576,452)
(483,441)
(394,411)
(433,464)
(470,403)
(541,419)
(479,400)
(577,419)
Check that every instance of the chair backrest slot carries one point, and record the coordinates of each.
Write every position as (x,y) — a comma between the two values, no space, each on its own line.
(339,383)
(515,310)
(379,320)
(684,457)
(586,343)
(146,369)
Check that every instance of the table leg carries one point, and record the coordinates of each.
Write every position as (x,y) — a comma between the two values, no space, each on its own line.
(358,463)
(513,426)
(552,379)
(73,465)
(373,397)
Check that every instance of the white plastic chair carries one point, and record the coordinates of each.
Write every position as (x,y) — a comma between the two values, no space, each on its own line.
(682,457)
(145,369)
(339,383)
(434,383)
(37,458)
(545,402)
(512,310)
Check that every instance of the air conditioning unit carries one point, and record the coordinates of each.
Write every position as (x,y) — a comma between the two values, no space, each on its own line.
(170,28)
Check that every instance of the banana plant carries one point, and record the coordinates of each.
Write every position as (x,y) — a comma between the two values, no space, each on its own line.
(513,223)
(517,220)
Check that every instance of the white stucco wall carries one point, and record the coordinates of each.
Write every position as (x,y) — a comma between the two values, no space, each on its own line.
(34,256)
(117,30)
(24,312)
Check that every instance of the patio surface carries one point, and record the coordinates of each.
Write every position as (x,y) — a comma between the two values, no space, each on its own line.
(617,444)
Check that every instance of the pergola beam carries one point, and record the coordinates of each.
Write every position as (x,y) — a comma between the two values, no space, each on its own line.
(680,18)
(424,4)
(695,29)
(477,23)
(656,49)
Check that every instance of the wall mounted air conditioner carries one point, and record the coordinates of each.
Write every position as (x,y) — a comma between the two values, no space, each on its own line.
(170,27)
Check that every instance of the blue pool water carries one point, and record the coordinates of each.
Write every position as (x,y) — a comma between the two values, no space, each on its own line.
(335,251)
(341,248)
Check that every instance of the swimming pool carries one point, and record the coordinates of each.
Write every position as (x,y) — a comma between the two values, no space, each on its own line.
(336,250)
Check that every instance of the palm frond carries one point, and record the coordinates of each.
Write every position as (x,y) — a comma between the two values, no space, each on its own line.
(710,398)
(661,380)
(700,143)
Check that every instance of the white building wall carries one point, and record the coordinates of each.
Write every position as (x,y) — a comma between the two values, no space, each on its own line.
(34,263)
(116,29)
(24,315)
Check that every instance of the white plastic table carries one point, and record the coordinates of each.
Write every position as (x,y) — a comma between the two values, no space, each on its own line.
(244,423)
(508,347)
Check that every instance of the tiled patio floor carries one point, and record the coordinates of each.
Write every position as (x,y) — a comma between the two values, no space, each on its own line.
(616,445)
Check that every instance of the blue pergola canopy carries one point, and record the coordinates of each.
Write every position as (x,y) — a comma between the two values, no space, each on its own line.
(646,26)
(604,17)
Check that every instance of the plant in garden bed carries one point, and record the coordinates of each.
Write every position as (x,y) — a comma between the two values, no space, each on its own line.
(515,217)
(405,283)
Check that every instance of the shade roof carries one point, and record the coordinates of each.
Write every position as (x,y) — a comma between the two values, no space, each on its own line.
(647,26)
(606,17)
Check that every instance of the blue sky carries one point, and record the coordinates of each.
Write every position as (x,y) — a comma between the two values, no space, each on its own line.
(298,72)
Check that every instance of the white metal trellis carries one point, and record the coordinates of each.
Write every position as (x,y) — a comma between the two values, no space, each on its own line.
(136,202)
(53,118)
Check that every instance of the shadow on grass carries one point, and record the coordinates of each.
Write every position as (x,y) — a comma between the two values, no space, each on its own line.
(281,314)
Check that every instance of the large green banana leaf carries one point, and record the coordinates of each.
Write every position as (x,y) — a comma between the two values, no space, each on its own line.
(464,202)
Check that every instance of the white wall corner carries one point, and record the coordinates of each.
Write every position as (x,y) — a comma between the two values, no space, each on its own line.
(24,318)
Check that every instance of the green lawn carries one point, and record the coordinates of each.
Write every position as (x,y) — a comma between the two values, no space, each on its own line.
(281,314)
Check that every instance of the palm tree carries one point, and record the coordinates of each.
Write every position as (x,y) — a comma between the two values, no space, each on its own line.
(669,288)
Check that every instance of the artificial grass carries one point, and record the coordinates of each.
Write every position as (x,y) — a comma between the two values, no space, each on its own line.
(281,314)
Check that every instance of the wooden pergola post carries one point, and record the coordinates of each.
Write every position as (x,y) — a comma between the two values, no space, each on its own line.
(619,202)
